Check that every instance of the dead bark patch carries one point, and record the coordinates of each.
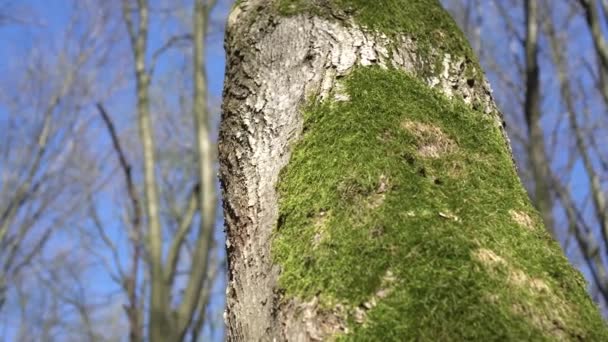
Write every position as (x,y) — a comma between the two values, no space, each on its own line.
(522,218)
(309,321)
(449,216)
(385,289)
(431,141)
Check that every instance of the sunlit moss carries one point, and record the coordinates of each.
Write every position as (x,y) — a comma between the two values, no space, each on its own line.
(359,198)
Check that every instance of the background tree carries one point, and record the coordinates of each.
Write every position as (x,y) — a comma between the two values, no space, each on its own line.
(107,236)
(176,308)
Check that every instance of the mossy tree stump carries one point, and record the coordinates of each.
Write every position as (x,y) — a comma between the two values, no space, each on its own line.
(369,188)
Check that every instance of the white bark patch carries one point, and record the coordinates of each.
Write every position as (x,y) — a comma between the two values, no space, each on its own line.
(340,92)
(274,65)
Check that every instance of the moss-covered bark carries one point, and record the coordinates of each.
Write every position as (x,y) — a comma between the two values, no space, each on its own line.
(397,213)
(401,181)
(425,20)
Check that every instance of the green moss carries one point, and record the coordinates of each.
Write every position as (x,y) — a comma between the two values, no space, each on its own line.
(341,230)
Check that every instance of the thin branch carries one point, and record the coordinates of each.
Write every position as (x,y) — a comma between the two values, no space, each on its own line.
(136,220)
(589,251)
(170,43)
(597,194)
(592,17)
(125,166)
(536,145)
(126,14)
(106,240)
(207,196)
(201,309)
(184,227)
(26,186)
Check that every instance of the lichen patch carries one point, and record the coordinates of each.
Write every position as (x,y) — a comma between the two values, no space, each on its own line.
(515,277)
(520,279)
(456,168)
(431,141)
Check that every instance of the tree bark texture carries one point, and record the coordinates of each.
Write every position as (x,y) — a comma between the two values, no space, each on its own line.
(283,57)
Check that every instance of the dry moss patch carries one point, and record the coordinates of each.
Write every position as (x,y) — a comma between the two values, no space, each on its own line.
(530,298)
(431,141)
(522,218)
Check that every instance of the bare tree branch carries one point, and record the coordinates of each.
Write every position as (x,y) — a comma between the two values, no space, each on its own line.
(169,44)
(129,281)
(601,45)
(180,236)
(597,195)
(536,144)
(589,250)
(207,193)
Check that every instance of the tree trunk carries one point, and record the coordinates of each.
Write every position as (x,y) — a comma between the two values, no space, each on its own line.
(369,187)
(539,164)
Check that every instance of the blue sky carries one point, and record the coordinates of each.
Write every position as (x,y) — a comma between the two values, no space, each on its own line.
(48,18)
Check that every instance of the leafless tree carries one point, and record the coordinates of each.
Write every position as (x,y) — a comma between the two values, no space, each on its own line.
(39,149)
(170,233)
